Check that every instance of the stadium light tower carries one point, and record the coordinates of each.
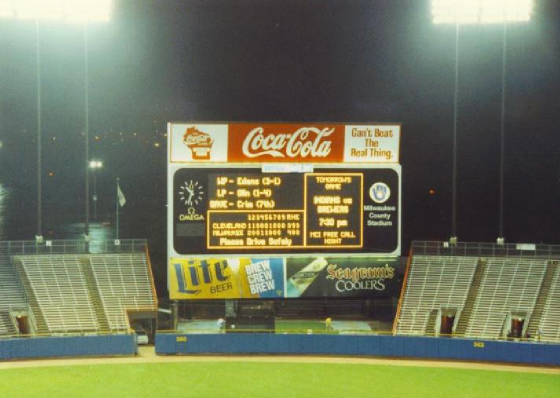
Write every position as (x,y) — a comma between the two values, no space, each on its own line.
(67,11)
(474,12)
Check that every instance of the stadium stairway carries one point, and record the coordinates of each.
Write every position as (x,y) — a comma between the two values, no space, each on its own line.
(94,295)
(466,314)
(40,322)
(6,325)
(550,319)
(11,292)
(431,324)
(542,299)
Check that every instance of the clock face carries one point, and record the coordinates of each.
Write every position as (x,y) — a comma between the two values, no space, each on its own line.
(191,193)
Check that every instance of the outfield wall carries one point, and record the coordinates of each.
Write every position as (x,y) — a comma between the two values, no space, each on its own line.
(74,346)
(384,346)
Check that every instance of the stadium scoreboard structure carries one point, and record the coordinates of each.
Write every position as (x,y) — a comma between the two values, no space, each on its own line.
(281,210)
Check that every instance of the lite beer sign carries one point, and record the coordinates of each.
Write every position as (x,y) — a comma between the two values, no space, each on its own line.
(195,277)
(226,278)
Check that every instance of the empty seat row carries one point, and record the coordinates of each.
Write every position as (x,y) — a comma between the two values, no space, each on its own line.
(509,285)
(60,289)
(434,282)
(124,283)
(505,287)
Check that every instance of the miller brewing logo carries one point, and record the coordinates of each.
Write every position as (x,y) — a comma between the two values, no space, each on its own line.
(199,143)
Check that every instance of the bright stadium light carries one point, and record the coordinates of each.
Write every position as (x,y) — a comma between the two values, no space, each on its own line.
(464,12)
(72,11)
(95,164)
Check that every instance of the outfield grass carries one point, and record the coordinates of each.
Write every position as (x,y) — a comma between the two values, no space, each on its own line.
(264,379)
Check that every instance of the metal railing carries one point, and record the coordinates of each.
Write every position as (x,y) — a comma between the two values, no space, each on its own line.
(66,246)
(484,249)
(359,332)
(66,334)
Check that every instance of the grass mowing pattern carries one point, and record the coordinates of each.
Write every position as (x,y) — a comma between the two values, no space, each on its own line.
(264,379)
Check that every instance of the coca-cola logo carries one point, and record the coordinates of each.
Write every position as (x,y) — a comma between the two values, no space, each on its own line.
(304,142)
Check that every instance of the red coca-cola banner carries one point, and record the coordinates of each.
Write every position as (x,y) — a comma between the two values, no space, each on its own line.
(286,143)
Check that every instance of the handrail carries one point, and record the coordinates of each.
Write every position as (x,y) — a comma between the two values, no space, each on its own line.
(151,276)
(64,334)
(403,289)
(485,249)
(68,246)
(360,332)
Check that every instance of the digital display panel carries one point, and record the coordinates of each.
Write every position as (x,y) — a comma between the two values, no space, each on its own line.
(245,210)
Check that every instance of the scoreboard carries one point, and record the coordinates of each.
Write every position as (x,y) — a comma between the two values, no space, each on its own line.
(282,210)
(241,210)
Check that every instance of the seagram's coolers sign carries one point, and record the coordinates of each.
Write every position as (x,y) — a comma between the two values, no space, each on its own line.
(282,209)
(341,277)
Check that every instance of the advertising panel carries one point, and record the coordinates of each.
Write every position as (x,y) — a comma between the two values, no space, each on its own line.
(307,277)
(283,143)
(341,277)
(226,278)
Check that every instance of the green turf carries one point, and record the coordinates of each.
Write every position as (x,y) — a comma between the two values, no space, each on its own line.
(263,379)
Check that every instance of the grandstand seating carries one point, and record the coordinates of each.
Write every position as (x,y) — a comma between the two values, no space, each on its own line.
(434,282)
(486,290)
(124,284)
(508,285)
(61,292)
(53,287)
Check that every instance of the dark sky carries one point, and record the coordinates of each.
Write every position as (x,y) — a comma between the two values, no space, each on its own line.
(294,60)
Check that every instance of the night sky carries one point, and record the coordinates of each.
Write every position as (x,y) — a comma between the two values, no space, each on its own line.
(292,60)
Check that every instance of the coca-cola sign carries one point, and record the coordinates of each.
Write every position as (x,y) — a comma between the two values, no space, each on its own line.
(304,142)
(277,142)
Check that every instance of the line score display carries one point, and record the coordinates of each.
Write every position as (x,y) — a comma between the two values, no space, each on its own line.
(244,210)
